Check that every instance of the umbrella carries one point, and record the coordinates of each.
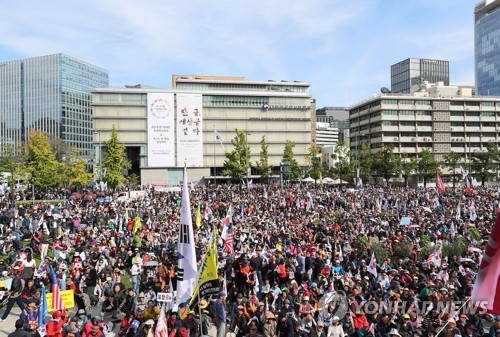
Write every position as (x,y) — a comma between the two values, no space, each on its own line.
(427,209)
(57,216)
(308,180)
(151,264)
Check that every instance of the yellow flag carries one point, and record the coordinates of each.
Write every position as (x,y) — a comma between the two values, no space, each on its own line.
(137,225)
(198,217)
(208,277)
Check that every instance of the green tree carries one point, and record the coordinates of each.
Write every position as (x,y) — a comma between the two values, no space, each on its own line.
(314,159)
(365,161)
(263,163)
(114,163)
(288,156)
(344,165)
(238,159)
(451,161)
(75,169)
(386,164)
(41,161)
(11,164)
(484,164)
(408,167)
(427,166)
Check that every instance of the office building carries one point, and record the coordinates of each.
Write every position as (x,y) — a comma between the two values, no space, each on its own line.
(414,71)
(326,135)
(52,94)
(439,118)
(163,127)
(487,47)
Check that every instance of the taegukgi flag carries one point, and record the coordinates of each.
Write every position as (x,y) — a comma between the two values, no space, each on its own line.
(185,248)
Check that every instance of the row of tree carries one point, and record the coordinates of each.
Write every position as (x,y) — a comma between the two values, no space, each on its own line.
(45,162)
(383,164)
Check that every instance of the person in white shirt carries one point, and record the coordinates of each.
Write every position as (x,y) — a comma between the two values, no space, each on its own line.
(335,330)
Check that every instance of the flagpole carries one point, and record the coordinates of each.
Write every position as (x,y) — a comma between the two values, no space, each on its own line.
(448,321)
(215,165)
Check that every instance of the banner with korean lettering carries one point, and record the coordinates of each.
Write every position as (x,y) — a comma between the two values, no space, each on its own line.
(161,130)
(67,298)
(190,130)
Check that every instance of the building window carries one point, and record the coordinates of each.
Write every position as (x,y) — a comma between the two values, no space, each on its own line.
(472,124)
(423,113)
(420,123)
(456,113)
(488,114)
(406,112)
(390,112)
(405,102)
(489,124)
(487,103)
(457,123)
(472,114)
(457,103)
(422,102)
(391,123)
(407,123)
(389,101)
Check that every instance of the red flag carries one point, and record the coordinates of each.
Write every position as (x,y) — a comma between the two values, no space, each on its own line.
(439,183)
(487,286)
(468,187)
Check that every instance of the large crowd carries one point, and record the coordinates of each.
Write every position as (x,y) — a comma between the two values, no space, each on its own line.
(303,261)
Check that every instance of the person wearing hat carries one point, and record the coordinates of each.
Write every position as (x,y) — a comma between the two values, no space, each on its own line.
(81,318)
(29,315)
(305,307)
(269,329)
(221,314)
(451,329)
(405,328)
(71,331)
(239,321)
(191,323)
(140,306)
(318,331)
(470,330)
(394,333)
(152,311)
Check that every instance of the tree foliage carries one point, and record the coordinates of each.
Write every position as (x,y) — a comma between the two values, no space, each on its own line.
(237,160)
(484,164)
(75,170)
(365,161)
(344,165)
(41,161)
(114,162)
(263,163)
(313,158)
(386,164)
(408,167)
(428,166)
(451,161)
(288,156)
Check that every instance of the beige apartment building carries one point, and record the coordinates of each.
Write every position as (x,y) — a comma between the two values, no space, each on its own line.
(161,128)
(433,116)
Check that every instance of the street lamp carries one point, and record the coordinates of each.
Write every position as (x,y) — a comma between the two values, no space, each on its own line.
(357,162)
(98,158)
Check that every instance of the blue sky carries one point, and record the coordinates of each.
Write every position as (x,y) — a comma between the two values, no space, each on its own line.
(344,49)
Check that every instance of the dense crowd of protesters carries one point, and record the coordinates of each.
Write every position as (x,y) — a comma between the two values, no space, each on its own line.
(301,264)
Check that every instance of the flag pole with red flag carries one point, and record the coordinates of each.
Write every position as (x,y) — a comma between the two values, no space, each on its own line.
(486,289)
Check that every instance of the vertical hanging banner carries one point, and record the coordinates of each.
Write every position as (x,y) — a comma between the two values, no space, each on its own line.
(190,130)
(161,130)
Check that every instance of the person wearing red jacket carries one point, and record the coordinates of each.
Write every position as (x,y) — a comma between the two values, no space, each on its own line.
(55,326)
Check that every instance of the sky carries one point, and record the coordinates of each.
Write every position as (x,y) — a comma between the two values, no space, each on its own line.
(344,49)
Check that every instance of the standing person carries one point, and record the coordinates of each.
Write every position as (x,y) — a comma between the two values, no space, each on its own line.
(135,273)
(15,295)
(221,314)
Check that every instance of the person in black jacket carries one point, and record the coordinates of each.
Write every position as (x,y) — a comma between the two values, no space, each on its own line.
(15,295)
(19,330)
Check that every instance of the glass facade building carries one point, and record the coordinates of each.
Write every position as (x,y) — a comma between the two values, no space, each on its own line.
(487,47)
(409,72)
(52,94)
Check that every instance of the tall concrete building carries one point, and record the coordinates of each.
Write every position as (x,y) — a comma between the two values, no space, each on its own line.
(52,94)
(439,118)
(487,47)
(326,135)
(163,127)
(413,71)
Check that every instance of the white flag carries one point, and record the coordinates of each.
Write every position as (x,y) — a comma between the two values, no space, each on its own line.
(372,267)
(472,215)
(186,255)
(436,259)
(457,216)
(228,220)
(341,254)
(217,137)
(310,203)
